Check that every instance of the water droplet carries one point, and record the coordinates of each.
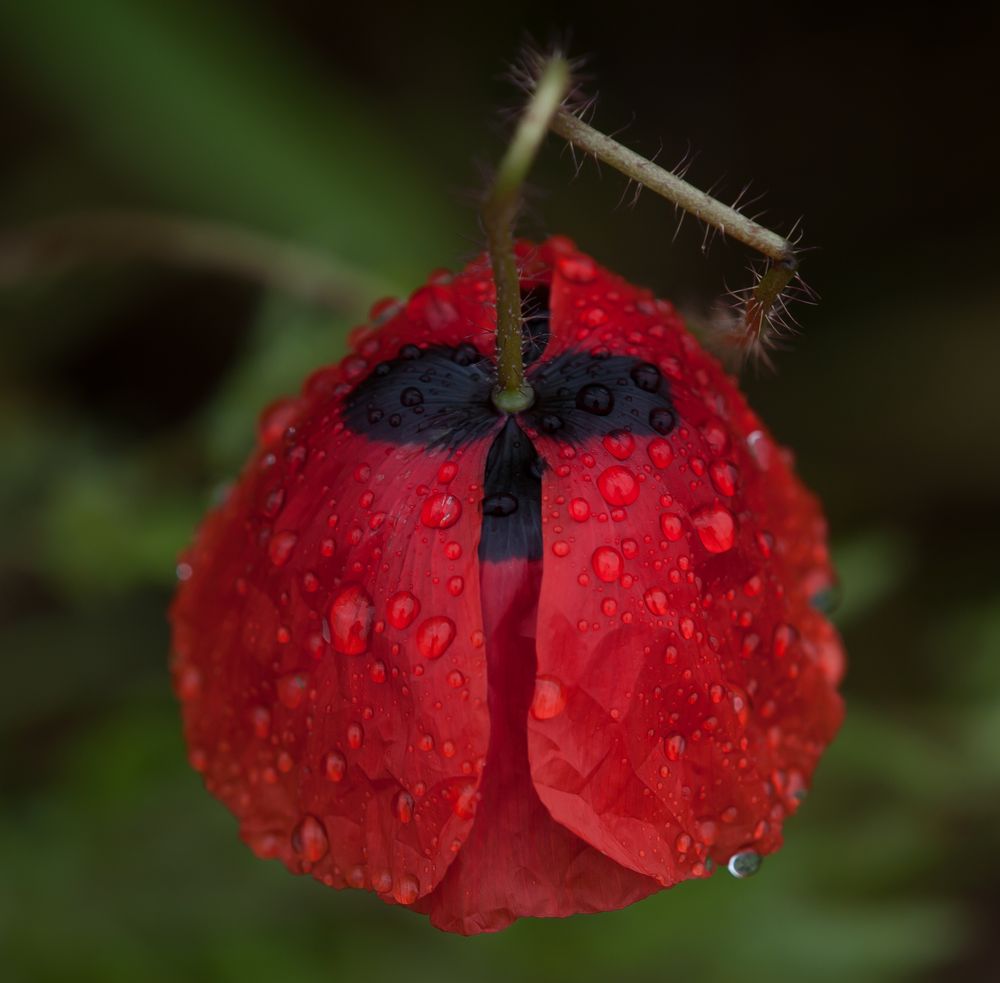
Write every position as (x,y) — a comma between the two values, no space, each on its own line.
(660,452)
(657,601)
(351,615)
(434,636)
(619,444)
(355,735)
(402,610)
(595,398)
(500,505)
(607,563)
(646,376)
(335,764)
(784,638)
(309,839)
(551,423)
(723,475)
(281,546)
(673,747)
(662,420)
(579,509)
(671,526)
(402,806)
(577,269)
(291,689)
(549,699)
(464,805)
(618,485)
(411,396)
(456,585)
(560,548)
(407,890)
(746,863)
(716,528)
(440,511)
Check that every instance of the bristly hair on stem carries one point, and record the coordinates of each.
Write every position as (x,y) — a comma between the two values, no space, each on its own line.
(764,305)
(512,393)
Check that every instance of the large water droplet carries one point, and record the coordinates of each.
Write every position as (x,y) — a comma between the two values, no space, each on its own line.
(657,601)
(549,699)
(596,399)
(351,615)
(746,863)
(662,420)
(618,485)
(291,689)
(716,528)
(309,839)
(335,764)
(402,806)
(674,746)
(434,636)
(440,511)
(402,610)
(281,546)
(660,452)
(500,505)
(619,444)
(723,475)
(607,563)
(646,376)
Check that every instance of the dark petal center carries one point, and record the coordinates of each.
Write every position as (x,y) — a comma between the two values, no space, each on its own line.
(440,397)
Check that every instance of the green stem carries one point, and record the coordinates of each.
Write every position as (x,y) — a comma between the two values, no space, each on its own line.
(512,393)
(60,243)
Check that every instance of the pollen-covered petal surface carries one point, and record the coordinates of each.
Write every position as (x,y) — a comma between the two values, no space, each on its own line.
(329,645)
(696,683)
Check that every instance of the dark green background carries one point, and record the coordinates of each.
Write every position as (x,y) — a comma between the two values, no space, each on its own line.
(128,393)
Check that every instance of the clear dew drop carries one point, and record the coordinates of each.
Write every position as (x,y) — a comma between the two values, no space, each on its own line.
(335,765)
(351,616)
(402,610)
(608,564)
(549,699)
(440,511)
(673,747)
(280,547)
(618,485)
(309,839)
(744,864)
(402,806)
(434,636)
(716,528)
(595,398)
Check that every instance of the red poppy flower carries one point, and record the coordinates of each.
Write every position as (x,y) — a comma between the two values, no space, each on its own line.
(493,666)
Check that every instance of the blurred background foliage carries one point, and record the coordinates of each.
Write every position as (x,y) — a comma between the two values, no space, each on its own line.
(129,392)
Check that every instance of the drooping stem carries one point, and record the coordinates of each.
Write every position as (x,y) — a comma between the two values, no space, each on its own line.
(676,190)
(512,393)
(60,243)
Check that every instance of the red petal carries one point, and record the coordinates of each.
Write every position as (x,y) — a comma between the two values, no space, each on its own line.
(329,642)
(699,684)
(518,861)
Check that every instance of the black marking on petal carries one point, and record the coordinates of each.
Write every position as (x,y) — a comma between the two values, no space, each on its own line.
(512,498)
(433,397)
(579,395)
(440,397)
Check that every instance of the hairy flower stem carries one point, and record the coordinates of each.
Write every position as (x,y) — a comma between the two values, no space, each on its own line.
(512,393)
(783,262)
